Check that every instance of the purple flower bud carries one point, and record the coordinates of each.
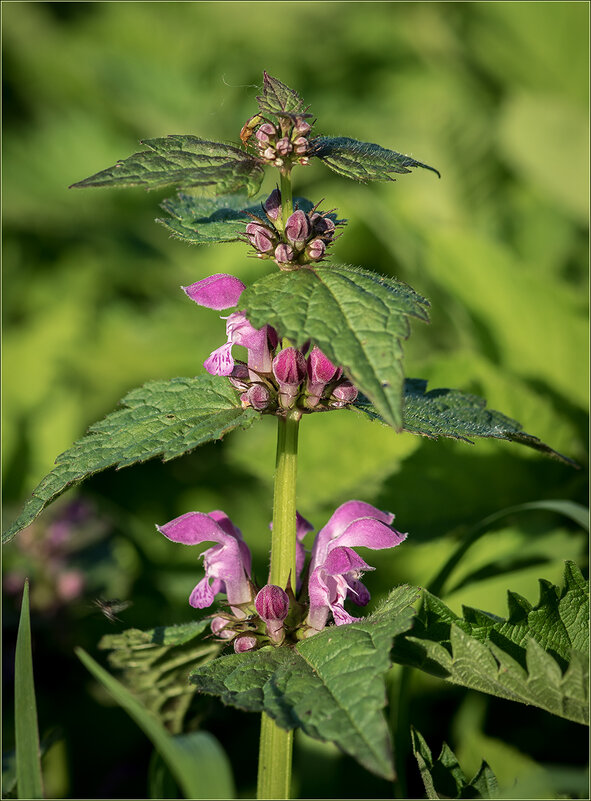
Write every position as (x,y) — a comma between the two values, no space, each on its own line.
(258,397)
(284,146)
(218,627)
(320,371)
(261,237)
(301,126)
(316,249)
(300,145)
(239,377)
(269,153)
(344,394)
(322,225)
(284,254)
(272,603)
(220,291)
(297,228)
(289,367)
(272,205)
(245,642)
(268,128)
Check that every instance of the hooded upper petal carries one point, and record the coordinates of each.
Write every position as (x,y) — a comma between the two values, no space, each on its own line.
(219,291)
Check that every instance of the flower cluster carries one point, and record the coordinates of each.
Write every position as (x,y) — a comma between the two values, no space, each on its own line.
(273,615)
(273,379)
(304,238)
(280,144)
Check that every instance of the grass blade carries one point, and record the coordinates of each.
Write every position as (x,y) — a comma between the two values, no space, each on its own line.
(197,761)
(28,757)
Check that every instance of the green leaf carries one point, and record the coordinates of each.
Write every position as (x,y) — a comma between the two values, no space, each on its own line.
(156,664)
(196,760)
(444,778)
(161,418)
(330,685)
(457,415)
(186,161)
(205,220)
(362,161)
(536,656)
(201,220)
(279,99)
(28,759)
(356,317)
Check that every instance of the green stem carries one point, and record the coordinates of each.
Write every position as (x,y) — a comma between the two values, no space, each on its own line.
(276,744)
(286,196)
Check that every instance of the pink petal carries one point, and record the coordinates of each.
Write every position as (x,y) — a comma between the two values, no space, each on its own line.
(220,291)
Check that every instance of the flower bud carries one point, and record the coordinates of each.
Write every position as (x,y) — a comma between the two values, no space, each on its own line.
(323,226)
(284,146)
(218,627)
(289,368)
(272,205)
(300,145)
(297,228)
(272,603)
(258,397)
(269,153)
(344,394)
(265,132)
(239,377)
(316,249)
(245,642)
(260,237)
(302,127)
(284,254)
(320,371)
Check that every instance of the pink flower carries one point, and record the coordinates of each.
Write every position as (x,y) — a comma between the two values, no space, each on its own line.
(227,564)
(336,569)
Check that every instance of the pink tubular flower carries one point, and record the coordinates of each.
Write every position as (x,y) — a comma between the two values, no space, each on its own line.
(320,371)
(272,605)
(289,368)
(227,564)
(220,291)
(335,568)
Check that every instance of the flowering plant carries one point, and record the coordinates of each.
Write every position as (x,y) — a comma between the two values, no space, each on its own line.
(319,337)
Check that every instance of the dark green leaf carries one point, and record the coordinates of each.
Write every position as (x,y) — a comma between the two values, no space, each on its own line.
(357,317)
(277,98)
(201,220)
(186,161)
(196,760)
(444,778)
(457,415)
(537,656)
(362,161)
(156,664)
(26,735)
(161,418)
(330,685)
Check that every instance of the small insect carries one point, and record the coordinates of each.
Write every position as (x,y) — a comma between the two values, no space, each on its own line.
(111,608)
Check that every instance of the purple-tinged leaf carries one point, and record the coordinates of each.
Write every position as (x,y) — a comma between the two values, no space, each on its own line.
(362,161)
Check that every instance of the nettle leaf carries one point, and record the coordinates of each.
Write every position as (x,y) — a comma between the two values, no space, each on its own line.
(161,418)
(200,220)
(537,656)
(457,415)
(156,664)
(356,317)
(362,161)
(277,98)
(444,778)
(331,685)
(186,161)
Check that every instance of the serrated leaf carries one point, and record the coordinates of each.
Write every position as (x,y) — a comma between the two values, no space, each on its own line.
(457,415)
(186,161)
(356,317)
(161,418)
(156,664)
(538,656)
(362,161)
(330,685)
(444,778)
(277,98)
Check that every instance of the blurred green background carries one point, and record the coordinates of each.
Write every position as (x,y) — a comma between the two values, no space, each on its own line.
(495,95)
